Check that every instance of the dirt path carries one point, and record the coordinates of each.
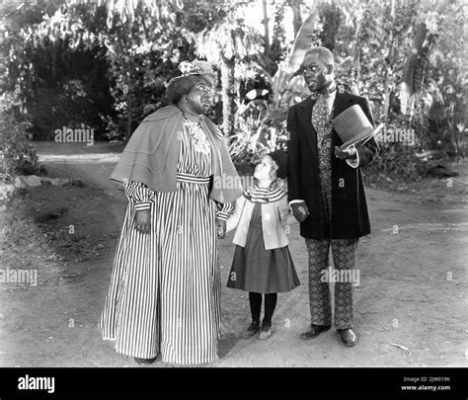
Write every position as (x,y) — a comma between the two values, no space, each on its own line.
(410,306)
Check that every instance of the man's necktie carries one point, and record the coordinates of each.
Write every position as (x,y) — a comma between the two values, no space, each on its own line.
(326,91)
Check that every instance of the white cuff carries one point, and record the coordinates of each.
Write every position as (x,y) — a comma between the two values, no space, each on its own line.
(143,206)
(296,201)
(223,216)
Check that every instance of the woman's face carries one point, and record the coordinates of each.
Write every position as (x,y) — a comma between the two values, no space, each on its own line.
(200,97)
(265,170)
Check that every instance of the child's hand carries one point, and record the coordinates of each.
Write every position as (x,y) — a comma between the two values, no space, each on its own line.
(290,219)
(220,228)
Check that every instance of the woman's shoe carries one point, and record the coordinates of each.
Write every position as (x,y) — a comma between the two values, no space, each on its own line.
(145,361)
(266,332)
(252,330)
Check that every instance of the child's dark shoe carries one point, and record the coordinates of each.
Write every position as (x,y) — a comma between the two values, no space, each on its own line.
(266,332)
(252,330)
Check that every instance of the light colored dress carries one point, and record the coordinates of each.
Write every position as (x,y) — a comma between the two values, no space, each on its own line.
(165,287)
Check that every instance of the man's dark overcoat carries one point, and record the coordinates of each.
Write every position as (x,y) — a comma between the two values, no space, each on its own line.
(349,216)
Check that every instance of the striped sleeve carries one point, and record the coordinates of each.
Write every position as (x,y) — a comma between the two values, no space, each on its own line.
(224,210)
(140,194)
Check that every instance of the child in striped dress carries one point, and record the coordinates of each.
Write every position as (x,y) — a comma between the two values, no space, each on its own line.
(262,263)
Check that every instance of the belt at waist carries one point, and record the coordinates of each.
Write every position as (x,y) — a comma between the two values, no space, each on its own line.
(188,178)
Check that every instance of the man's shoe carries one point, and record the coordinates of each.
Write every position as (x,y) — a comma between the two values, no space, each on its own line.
(145,361)
(252,330)
(314,331)
(348,337)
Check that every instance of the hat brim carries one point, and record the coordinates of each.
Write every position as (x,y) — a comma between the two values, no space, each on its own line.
(208,77)
(362,138)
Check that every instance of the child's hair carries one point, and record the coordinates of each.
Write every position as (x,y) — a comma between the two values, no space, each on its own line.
(280,157)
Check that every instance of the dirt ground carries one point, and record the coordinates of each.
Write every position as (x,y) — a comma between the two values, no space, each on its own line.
(410,306)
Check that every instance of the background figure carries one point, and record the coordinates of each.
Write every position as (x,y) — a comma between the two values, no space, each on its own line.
(165,287)
(326,192)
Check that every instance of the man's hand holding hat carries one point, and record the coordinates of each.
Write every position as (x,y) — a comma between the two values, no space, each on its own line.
(349,153)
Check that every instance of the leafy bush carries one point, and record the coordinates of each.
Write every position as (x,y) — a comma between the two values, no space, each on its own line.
(396,162)
(16,155)
(259,129)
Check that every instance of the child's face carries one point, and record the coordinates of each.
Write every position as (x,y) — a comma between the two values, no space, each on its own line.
(265,169)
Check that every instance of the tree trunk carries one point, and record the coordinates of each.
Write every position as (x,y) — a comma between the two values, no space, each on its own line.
(129,112)
(331,17)
(228,93)
(420,44)
(297,19)
(389,70)
(413,56)
(357,56)
(266,21)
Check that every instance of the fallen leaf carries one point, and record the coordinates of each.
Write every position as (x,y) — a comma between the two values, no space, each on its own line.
(400,347)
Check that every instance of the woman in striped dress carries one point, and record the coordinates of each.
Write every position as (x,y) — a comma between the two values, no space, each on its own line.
(164,295)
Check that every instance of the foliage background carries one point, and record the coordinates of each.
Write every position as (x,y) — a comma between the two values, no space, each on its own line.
(103,65)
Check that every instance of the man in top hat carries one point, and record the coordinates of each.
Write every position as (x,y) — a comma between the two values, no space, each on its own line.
(326,192)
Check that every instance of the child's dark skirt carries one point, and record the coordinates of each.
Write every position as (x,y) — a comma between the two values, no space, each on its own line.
(255,269)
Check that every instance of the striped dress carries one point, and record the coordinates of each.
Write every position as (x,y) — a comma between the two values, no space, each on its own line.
(164,295)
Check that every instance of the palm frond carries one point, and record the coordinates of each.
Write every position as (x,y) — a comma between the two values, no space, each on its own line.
(302,43)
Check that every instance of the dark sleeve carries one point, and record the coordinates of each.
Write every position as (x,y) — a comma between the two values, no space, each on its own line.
(294,159)
(370,150)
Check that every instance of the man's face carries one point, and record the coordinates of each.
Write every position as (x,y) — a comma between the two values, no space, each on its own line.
(200,97)
(315,72)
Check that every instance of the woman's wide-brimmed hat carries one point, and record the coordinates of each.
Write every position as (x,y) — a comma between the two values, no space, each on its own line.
(191,69)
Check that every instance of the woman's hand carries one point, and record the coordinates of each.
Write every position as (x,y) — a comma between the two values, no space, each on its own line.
(220,228)
(143,221)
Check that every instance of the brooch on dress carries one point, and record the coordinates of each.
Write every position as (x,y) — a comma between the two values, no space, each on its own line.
(200,142)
